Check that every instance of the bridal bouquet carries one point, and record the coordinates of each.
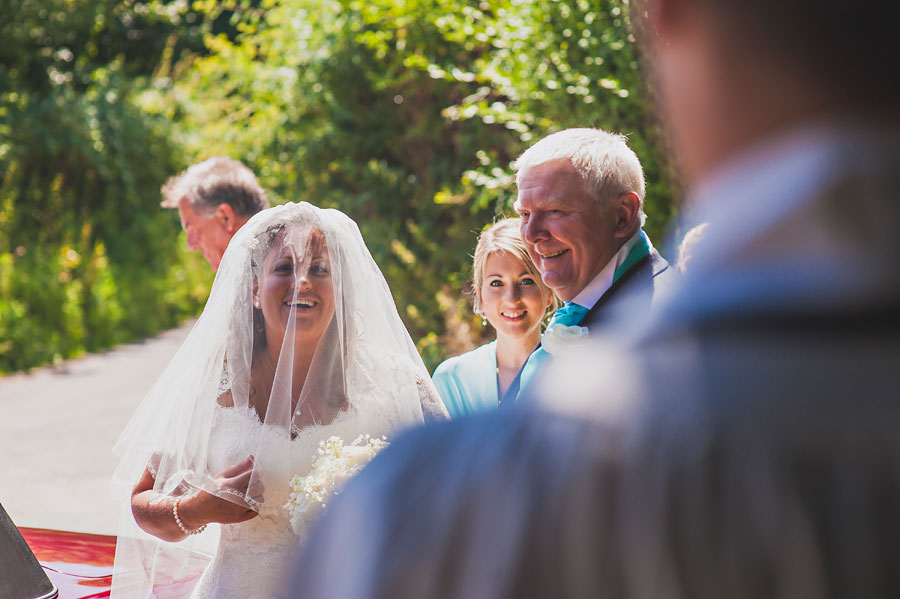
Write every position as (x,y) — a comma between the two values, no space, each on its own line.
(334,466)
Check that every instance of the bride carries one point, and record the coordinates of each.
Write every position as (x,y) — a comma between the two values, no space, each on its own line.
(299,341)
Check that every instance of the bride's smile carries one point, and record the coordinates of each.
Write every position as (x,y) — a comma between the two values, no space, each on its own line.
(295,288)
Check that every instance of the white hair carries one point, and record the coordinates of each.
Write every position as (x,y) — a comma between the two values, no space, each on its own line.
(607,165)
(215,181)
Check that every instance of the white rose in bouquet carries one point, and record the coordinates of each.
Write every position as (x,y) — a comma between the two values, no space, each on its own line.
(333,467)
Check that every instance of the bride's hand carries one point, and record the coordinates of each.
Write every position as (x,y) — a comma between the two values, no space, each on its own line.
(202,507)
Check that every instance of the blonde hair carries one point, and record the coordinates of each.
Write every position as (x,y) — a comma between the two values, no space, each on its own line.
(504,236)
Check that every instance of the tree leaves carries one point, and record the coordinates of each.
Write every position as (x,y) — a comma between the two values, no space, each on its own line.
(408,115)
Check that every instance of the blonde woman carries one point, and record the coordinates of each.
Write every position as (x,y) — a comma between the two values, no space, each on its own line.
(510,295)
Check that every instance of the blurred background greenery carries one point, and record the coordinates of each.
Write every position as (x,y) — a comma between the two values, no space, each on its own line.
(406,114)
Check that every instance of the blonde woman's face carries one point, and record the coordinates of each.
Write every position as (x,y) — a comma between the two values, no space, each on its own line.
(510,297)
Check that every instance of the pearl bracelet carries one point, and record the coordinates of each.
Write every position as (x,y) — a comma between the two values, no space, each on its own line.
(183,528)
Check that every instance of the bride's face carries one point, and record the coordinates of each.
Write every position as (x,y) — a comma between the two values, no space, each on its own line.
(295,283)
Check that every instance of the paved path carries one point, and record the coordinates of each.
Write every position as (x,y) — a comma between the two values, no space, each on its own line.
(57,426)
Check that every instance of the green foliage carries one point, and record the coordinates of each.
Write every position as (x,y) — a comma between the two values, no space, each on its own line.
(407,116)
(87,258)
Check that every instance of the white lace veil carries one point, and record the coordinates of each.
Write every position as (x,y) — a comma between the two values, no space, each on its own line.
(270,345)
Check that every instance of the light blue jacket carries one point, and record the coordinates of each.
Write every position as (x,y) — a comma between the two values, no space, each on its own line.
(468,383)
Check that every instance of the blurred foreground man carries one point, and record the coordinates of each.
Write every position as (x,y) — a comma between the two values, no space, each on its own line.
(214,199)
(741,444)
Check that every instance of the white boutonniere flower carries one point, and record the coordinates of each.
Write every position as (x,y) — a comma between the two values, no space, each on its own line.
(559,339)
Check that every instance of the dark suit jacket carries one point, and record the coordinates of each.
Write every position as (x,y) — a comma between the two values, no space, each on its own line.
(630,296)
(644,284)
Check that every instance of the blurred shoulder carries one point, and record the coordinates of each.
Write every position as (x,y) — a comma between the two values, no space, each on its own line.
(414,520)
(476,449)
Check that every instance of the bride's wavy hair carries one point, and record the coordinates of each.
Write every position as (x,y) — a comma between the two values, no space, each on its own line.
(261,249)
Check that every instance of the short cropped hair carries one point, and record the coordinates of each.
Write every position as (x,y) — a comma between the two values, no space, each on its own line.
(218,180)
(504,236)
(604,161)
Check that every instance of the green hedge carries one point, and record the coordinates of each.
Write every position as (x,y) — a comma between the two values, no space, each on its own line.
(406,115)
(88,259)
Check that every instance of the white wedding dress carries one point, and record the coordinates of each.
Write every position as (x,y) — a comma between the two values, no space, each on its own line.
(294,277)
(253,556)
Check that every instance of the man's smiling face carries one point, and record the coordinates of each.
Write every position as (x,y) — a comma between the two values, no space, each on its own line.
(569,236)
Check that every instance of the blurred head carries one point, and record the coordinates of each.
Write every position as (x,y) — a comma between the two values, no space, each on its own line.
(508,289)
(293,287)
(729,72)
(214,199)
(580,198)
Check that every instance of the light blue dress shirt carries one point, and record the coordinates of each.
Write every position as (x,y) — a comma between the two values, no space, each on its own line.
(468,383)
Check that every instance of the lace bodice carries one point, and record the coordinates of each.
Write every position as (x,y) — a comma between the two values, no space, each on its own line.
(253,556)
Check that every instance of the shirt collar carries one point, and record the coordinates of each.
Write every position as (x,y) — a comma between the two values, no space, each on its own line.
(601,283)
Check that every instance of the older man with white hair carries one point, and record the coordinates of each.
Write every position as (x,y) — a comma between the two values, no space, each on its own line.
(581,199)
(214,199)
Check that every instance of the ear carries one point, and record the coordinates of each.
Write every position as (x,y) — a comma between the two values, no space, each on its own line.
(255,290)
(227,218)
(626,212)
(550,296)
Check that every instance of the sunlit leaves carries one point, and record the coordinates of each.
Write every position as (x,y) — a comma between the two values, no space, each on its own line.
(85,250)
(408,115)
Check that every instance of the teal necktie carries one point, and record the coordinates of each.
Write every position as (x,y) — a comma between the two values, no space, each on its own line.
(570,314)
